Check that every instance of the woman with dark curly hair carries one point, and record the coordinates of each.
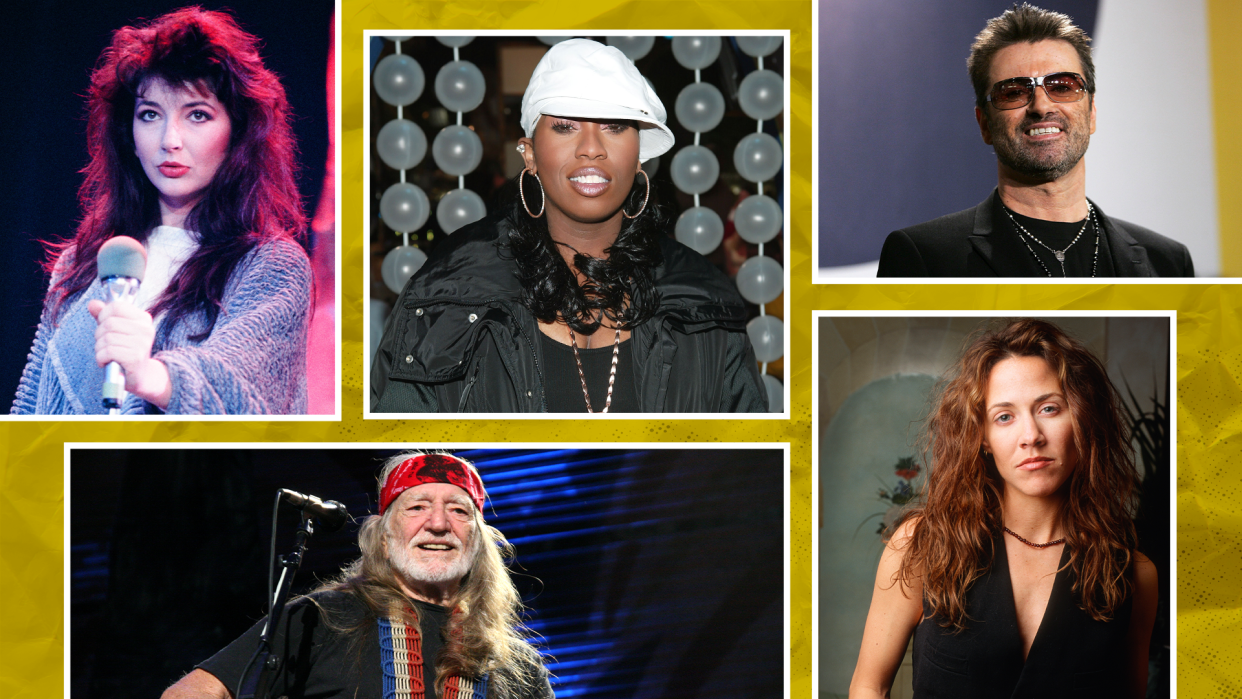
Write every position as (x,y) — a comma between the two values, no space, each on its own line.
(192,156)
(575,298)
(1018,574)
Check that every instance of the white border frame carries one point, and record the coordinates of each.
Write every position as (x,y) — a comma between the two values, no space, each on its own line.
(366,218)
(783,447)
(815,435)
(334,416)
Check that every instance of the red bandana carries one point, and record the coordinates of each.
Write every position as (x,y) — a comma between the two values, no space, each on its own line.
(432,468)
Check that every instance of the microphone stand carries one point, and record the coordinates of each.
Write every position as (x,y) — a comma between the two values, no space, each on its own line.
(256,681)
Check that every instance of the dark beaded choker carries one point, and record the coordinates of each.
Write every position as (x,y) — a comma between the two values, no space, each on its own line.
(1031,543)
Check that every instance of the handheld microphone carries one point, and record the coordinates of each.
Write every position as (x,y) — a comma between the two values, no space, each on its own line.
(331,514)
(121,263)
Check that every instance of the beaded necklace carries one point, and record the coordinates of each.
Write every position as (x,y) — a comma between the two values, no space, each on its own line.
(1031,543)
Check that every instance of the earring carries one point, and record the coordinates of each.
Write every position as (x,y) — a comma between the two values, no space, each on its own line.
(542,195)
(645,198)
(521,148)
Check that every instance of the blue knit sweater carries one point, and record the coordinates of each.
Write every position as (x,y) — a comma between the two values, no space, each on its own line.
(253,362)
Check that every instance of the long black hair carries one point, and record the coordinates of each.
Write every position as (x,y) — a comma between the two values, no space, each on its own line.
(620,288)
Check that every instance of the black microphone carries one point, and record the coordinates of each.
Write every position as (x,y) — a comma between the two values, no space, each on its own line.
(121,262)
(330,513)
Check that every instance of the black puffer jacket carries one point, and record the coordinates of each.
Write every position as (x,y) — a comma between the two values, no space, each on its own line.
(460,340)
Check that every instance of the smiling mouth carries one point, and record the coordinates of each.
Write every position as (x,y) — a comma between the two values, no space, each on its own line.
(435,547)
(590,184)
(1044,131)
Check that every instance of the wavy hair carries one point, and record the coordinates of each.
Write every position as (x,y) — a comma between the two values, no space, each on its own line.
(620,288)
(253,197)
(485,633)
(952,542)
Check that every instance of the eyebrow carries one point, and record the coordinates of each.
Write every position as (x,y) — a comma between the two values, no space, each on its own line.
(197,103)
(456,499)
(1038,399)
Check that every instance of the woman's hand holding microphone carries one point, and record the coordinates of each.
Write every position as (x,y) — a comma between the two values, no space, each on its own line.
(125,335)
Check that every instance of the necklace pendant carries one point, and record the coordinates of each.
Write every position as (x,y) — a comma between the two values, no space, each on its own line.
(1060,255)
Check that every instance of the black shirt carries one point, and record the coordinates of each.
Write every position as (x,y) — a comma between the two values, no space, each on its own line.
(1072,657)
(319,662)
(1080,258)
(563,385)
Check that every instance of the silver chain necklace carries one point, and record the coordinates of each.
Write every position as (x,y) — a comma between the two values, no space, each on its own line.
(1023,234)
(612,373)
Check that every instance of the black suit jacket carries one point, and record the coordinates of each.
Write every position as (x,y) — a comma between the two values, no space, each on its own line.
(964,244)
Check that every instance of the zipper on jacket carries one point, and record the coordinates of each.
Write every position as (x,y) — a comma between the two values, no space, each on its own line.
(465,392)
(543,404)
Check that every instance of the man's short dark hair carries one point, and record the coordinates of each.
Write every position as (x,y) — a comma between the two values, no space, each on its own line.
(1025,24)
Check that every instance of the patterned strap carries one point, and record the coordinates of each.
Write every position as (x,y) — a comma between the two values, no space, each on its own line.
(461,688)
(401,658)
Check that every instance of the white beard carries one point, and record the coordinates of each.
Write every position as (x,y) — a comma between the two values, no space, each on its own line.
(406,559)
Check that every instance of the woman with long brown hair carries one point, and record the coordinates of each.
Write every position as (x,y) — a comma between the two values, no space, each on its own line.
(1018,575)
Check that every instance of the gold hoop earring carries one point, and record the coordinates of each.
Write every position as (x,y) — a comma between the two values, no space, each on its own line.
(645,198)
(542,195)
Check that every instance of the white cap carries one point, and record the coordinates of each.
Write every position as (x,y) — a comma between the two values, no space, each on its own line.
(585,79)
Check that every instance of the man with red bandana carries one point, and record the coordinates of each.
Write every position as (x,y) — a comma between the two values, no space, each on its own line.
(1034,84)
(427,611)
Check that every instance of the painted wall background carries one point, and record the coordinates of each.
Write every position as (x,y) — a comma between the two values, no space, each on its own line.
(876,425)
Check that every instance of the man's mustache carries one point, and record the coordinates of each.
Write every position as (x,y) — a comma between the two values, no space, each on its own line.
(1028,123)
(448,540)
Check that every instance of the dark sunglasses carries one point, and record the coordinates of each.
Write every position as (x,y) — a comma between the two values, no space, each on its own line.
(1019,92)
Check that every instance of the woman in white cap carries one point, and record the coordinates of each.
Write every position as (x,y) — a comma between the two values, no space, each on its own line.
(576,298)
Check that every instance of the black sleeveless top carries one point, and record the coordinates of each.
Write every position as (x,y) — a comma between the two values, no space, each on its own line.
(1072,655)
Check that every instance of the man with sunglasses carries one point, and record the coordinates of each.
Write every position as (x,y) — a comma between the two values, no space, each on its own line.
(1035,103)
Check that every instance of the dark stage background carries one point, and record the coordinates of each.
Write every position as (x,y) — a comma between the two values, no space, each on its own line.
(655,573)
(48,49)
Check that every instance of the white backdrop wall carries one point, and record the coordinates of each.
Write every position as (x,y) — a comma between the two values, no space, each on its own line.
(1152,159)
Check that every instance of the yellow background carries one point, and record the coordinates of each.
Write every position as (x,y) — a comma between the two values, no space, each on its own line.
(1224,22)
(1209,371)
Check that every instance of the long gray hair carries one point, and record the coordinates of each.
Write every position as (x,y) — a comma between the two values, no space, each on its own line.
(485,633)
